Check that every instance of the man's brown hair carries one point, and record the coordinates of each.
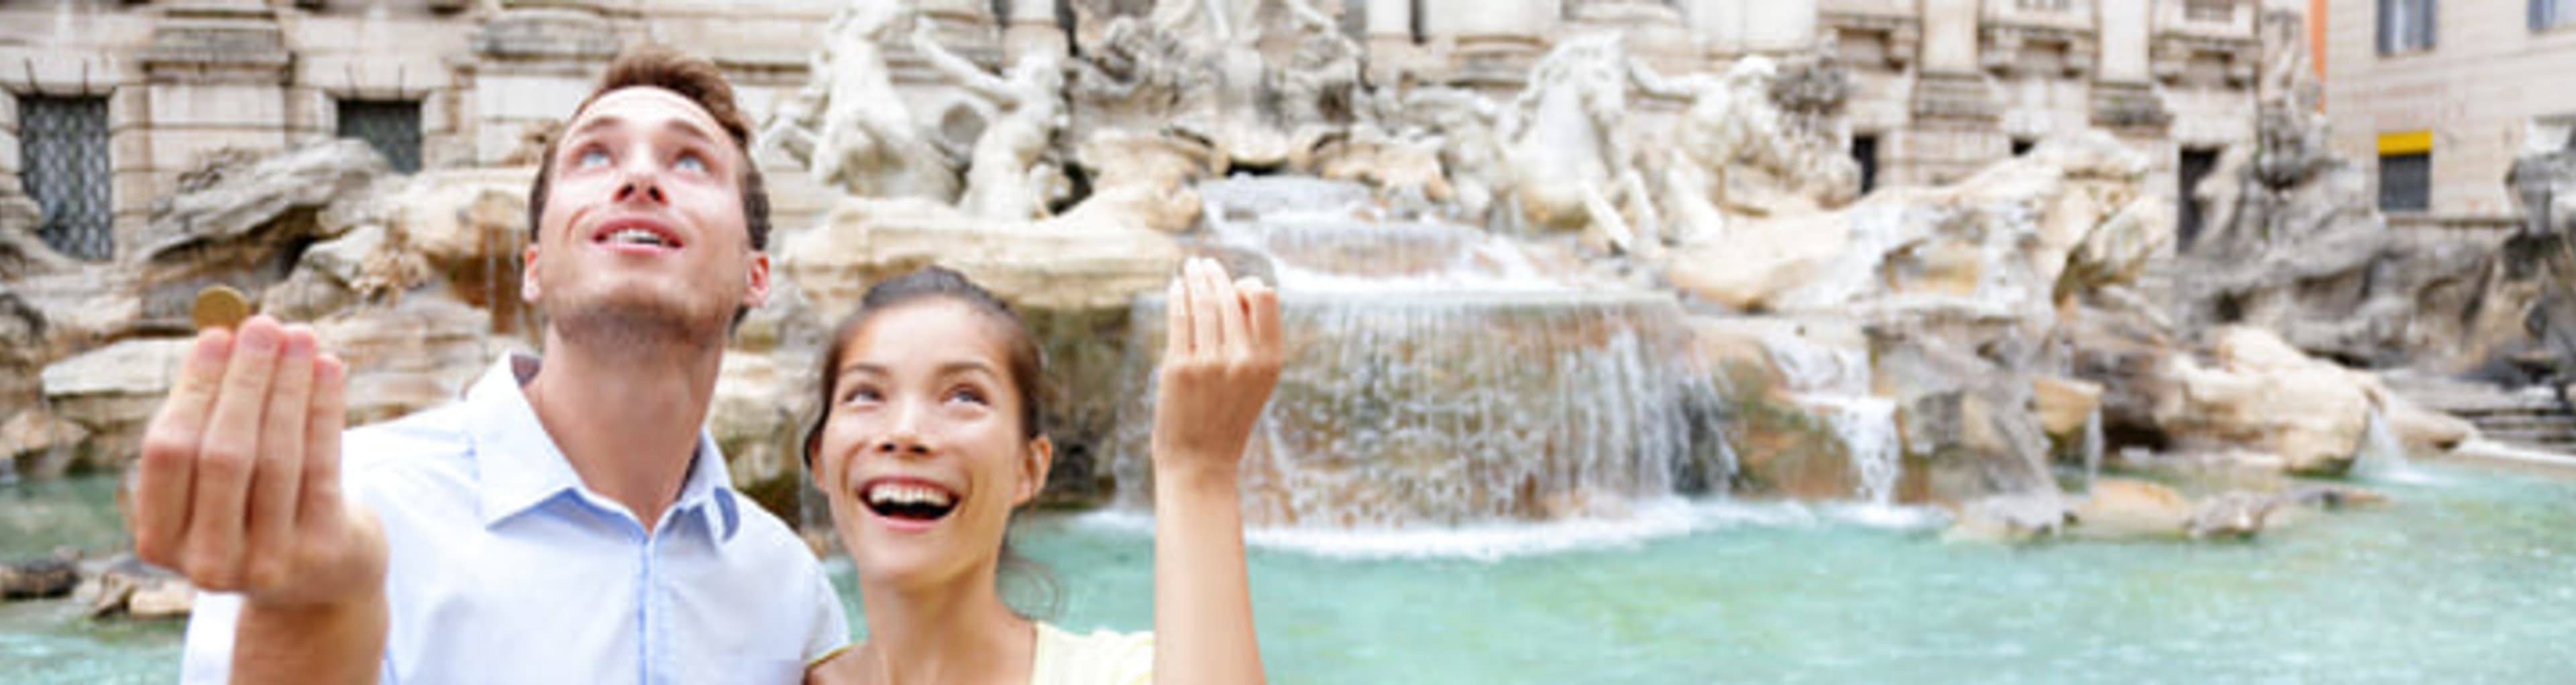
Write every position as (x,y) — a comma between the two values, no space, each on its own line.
(655,66)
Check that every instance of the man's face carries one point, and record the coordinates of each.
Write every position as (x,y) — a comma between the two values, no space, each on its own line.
(643,235)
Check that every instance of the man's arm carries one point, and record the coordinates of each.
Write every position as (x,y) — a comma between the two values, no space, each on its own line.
(1220,362)
(239,489)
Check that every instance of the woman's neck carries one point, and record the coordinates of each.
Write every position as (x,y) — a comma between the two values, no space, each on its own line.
(955,633)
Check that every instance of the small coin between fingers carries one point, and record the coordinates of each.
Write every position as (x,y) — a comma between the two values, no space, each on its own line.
(220,307)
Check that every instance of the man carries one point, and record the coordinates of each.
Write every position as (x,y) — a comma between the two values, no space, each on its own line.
(564,522)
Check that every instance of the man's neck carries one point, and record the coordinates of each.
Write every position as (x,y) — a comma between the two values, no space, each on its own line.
(957,634)
(628,420)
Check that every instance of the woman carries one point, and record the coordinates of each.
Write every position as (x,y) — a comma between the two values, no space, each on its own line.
(929,439)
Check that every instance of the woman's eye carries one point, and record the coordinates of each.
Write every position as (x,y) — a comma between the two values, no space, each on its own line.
(968,395)
(862,396)
(591,158)
(690,162)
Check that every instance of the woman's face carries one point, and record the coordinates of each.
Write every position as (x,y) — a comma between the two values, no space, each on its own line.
(922,454)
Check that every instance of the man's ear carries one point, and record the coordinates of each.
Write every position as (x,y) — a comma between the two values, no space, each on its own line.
(528,289)
(757,276)
(1033,470)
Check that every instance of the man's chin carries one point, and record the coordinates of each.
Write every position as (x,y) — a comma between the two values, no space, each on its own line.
(636,318)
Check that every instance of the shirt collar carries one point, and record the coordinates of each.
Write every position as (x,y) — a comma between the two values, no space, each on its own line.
(518,466)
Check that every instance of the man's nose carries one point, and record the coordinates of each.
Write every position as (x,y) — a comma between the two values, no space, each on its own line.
(641,183)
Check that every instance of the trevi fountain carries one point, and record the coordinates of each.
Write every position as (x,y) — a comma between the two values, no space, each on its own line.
(1607,371)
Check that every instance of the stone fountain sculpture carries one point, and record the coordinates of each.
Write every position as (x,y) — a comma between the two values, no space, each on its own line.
(1563,142)
(849,122)
(1736,153)
(1010,175)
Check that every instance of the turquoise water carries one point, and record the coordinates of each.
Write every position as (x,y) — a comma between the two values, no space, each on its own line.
(2470,576)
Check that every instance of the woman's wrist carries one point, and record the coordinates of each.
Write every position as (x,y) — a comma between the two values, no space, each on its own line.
(1194,474)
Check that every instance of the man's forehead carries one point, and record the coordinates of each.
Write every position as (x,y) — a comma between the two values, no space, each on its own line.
(643,104)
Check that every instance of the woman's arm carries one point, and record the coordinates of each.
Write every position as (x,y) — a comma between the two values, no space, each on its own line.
(1220,363)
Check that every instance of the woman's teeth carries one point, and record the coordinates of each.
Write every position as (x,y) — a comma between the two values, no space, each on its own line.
(915,502)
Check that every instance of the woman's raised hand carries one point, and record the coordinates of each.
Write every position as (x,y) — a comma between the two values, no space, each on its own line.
(1220,363)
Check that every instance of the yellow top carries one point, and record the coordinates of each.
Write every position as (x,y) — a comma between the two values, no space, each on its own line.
(1099,658)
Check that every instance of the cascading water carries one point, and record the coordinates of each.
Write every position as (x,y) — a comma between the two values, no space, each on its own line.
(2381,456)
(2092,448)
(1435,380)
(1835,382)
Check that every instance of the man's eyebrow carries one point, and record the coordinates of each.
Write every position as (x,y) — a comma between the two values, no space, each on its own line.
(689,129)
(596,123)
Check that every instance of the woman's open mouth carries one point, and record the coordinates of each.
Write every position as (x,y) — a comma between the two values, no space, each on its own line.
(908,500)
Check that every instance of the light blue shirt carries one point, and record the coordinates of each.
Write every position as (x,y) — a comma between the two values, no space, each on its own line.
(505,569)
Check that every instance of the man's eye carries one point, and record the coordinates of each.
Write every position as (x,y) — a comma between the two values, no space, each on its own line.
(690,162)
(591,158)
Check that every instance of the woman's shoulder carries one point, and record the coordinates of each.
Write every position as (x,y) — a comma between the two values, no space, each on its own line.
(1099,657)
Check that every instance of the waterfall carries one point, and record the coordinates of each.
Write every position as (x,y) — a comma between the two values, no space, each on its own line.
(1436,379)
(2092,447)
(1455,408)
(2381,456)
(1835,382)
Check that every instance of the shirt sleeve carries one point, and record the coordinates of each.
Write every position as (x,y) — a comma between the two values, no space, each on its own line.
(207,658)
(830,628)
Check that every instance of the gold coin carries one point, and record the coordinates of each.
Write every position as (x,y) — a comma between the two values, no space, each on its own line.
(220,306)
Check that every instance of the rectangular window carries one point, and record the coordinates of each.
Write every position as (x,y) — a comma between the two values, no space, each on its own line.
(392,127)
(1864,149)
(63,145)
(2552,13)
(2406,182)
(2405,26)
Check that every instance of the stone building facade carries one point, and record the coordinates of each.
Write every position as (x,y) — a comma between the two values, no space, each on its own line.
(2445,94)
(105,103)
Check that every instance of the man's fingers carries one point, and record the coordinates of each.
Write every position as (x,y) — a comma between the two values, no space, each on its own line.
(320,495)
(277,469)
(168,465)
(225,457)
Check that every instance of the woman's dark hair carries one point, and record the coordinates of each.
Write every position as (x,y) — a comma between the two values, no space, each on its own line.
(1027,375)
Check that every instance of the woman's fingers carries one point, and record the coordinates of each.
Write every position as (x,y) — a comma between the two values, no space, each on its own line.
(1261,316)
(1206,323)
(1176,320)
(1230,315)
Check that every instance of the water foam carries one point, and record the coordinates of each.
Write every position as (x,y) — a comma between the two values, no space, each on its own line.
(1646,522)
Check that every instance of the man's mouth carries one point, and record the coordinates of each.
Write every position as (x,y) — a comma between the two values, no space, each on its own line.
(642,233)
(908,500)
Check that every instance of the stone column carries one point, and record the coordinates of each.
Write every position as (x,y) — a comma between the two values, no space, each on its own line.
(534,62)
(1496,40)
(1390,38)
(1030,28)
(1950,36)
(215,76)
(1955,122)
(2124,97)
(2124,25)
(1718,24)
(1780,26)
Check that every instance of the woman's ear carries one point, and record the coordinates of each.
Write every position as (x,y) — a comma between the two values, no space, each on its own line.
(1033,470)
